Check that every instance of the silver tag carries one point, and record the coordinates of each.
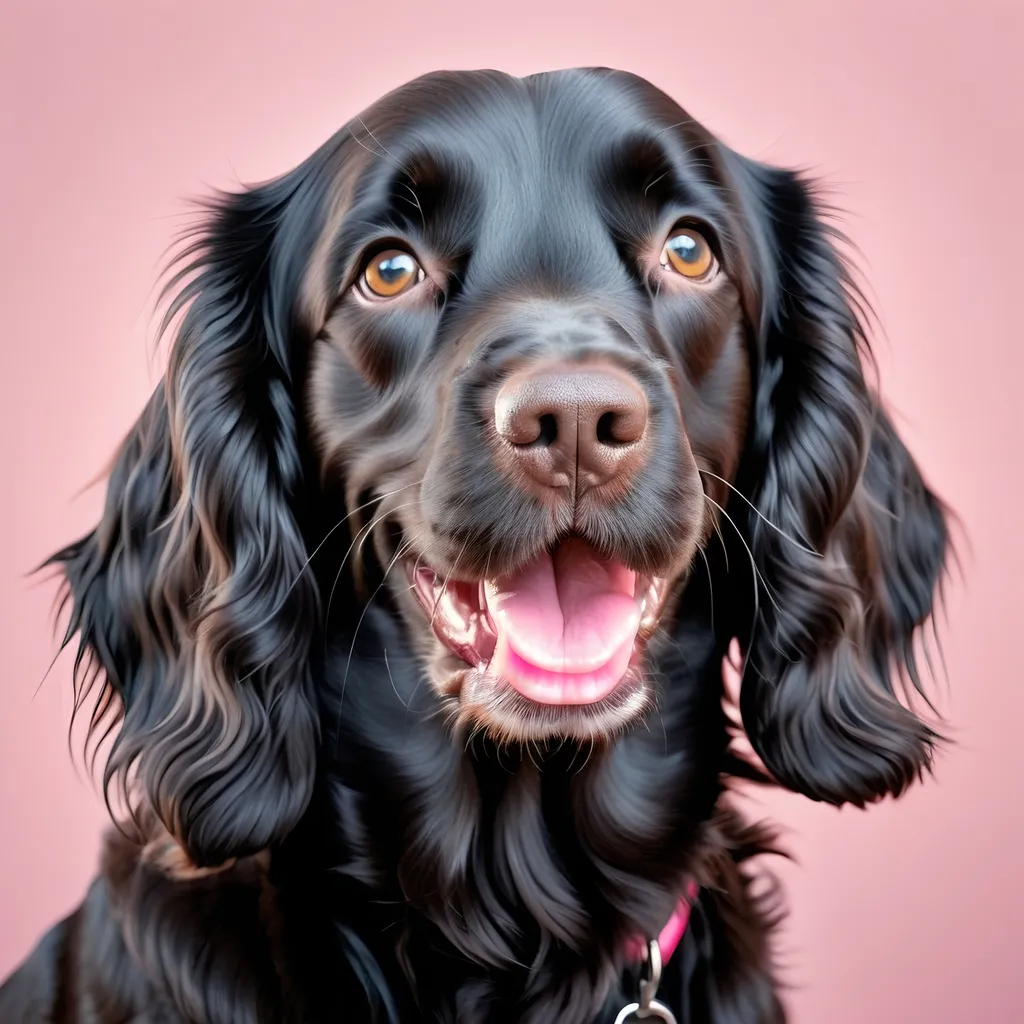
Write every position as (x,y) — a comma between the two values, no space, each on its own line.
(648,1008)
(654,1011)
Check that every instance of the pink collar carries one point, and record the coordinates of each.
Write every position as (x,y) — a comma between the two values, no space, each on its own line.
(672,934)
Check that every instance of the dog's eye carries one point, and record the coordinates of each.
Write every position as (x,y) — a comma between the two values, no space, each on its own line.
(390,273)
(687,252)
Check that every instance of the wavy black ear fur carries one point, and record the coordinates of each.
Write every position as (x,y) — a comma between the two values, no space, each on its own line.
(189,597)
(849,543)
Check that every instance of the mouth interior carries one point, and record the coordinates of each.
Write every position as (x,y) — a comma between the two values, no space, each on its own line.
(563,629)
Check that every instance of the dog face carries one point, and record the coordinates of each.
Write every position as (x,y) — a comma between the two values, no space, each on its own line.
(537,343)
(544,352)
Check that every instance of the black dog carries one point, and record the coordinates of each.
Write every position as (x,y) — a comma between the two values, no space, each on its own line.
(484,431)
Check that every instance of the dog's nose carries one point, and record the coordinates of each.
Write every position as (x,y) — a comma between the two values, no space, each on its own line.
(573,426)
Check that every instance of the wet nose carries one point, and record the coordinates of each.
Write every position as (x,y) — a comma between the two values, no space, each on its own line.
(573,426)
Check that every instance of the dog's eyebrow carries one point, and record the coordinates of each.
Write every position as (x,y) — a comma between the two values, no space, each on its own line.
(652,165)
(435,192)
(419,181)
(658,167)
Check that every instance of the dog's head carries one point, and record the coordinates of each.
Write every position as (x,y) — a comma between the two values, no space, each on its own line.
(542,351)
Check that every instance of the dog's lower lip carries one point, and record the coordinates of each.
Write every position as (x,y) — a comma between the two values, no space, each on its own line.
(469,620)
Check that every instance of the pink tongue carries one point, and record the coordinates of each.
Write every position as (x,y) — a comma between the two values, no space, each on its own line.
(571,613)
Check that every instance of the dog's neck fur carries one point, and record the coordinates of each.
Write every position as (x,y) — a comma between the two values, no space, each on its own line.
(547,863)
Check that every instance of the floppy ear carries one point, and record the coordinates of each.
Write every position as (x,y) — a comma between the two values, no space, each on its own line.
(850,543)
(189,597)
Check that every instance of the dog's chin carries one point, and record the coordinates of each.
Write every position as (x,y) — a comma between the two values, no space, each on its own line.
(552,651)
(483,701)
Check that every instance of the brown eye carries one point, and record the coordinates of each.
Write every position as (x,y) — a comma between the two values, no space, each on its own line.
(687,252)
(390,273)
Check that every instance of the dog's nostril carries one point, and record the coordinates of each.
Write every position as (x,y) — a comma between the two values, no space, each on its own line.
(540,431)
(622,426)
(606,430)
(548,430)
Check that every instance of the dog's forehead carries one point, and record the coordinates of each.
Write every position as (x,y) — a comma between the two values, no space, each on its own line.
(506,130)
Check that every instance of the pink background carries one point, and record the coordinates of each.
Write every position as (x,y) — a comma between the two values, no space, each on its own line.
(111,113)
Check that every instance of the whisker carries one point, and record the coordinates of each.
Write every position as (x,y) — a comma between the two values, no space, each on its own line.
(402,548)
(750,554)
(291,586)
(415,689)
(394,685)
(721,541)
(711,586)
(654,182)
(756,618)
(760,514)
(383,149)
(447,579)
(416,203)
(672,127)
(586,760)
(362,532)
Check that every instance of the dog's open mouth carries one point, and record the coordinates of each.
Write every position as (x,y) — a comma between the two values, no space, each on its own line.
(567,629)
